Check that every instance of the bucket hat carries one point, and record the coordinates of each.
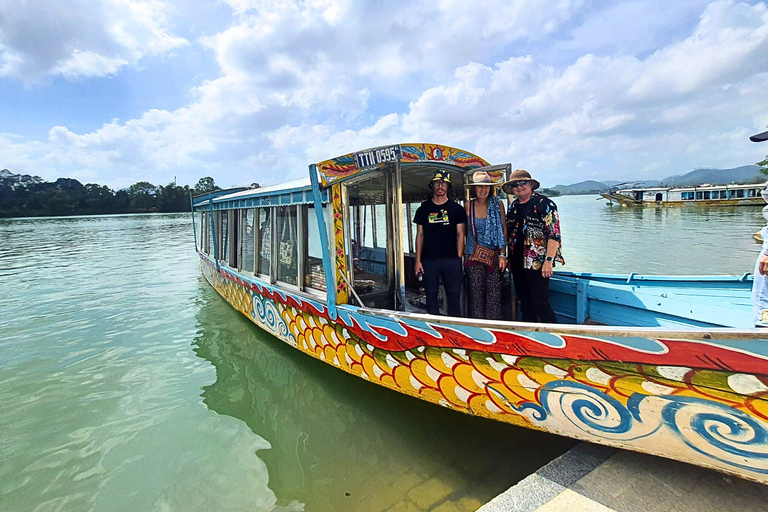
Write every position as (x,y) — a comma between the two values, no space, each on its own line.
(519,175)
(441,176)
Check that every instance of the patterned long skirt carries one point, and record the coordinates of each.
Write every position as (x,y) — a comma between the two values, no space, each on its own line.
(484,291)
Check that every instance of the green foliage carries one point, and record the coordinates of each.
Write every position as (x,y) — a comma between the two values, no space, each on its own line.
(549,192)
(763,165)
(30,196)
(206,185)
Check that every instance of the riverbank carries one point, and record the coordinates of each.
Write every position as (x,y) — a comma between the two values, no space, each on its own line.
(593,478)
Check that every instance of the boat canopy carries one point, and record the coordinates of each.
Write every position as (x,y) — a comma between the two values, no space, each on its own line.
(288,193)
(411,154)
(345,229)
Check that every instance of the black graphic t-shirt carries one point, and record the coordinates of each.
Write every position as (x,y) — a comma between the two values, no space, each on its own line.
(439,226)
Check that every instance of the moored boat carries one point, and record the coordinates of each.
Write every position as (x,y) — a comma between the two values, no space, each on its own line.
(701,195)
(664,365)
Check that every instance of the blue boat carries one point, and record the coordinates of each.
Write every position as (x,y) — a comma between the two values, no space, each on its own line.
(665,365)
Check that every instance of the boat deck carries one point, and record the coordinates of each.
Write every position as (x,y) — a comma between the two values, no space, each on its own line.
(653,301)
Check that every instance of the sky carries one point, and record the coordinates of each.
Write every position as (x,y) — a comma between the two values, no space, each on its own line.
(120,91)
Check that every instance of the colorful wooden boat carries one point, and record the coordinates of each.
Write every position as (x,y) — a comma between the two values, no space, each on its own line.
(662,365)
(702,195)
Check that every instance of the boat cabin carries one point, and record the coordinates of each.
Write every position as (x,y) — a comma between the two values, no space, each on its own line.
(733,194)
(345,234)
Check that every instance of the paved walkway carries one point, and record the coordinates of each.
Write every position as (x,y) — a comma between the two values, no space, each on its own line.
(592,478)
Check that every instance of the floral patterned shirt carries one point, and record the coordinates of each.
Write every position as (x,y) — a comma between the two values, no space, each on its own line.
(539,225)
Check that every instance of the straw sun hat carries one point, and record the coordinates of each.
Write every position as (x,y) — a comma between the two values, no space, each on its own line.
(519,175)
(482,178)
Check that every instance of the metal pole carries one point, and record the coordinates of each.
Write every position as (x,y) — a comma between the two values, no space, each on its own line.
(330,286)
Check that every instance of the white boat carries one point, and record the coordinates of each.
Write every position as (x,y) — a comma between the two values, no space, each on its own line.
(702,195)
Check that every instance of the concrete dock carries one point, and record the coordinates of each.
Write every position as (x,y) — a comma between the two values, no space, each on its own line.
(593,478)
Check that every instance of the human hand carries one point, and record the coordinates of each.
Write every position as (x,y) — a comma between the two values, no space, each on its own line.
(546,269)
(502,263)
(418,268)
(762,265)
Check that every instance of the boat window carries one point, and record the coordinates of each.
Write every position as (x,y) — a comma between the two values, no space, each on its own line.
(740,192)
(686,195)
(707,194)
(287,245)
(264,241)
(201,230)
(409,230)
(699,195)
(314,272)
(234,236)
(248,237)
(223,234)
(752,192)
(208,234)
(372,235)
(723,194)
(371,259)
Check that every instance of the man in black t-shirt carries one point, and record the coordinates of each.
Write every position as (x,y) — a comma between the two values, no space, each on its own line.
(440,237)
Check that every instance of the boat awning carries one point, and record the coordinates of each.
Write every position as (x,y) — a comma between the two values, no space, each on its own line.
(346,166)
(284,194)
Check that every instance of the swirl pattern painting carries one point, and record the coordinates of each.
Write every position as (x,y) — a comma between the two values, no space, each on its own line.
(633,393)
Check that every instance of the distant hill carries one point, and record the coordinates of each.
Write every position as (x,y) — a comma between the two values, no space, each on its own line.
(743,174)
(583,187)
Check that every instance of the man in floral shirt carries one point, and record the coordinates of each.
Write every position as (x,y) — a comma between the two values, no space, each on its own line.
(533,227)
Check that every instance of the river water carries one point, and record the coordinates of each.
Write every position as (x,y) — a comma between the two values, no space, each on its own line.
(127,383)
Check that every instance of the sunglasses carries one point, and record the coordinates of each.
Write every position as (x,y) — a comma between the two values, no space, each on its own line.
(518,184)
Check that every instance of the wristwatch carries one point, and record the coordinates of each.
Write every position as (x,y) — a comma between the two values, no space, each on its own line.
(549,258)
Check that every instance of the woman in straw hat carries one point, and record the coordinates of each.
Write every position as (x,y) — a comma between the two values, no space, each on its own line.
(486,247)
(533,226)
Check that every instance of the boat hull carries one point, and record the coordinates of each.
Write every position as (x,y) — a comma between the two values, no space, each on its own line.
(701,401)
(752,201)
(625,200)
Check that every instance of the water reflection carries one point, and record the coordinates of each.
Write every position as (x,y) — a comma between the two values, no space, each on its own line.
(340,443)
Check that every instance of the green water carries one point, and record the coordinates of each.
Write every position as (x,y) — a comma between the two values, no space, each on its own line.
(127,383)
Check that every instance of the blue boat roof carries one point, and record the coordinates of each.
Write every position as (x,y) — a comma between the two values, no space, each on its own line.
(288,193)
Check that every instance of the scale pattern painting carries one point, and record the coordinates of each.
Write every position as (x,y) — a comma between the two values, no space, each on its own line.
(629,392)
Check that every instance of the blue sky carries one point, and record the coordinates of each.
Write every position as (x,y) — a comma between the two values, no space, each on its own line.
(119,91)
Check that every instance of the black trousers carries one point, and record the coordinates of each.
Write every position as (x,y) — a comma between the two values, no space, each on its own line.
(453,276)
(533,291)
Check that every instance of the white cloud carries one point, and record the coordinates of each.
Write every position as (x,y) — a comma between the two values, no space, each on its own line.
(80,38)
(304,81)
(604,110)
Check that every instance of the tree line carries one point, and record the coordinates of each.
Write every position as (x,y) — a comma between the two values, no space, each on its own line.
(22,195)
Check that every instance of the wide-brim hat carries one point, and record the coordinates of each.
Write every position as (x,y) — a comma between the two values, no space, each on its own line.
(482,178)
(760,137)
(519,175)
(441,176)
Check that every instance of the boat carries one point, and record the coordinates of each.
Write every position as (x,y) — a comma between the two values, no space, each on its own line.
(701,195)
(670,366)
